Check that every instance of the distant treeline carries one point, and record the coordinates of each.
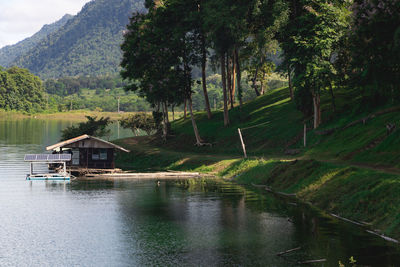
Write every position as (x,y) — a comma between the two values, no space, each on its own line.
(20,90)
(102,93)
(72,85)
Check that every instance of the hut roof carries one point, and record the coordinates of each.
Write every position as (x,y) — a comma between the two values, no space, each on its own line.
(80,138)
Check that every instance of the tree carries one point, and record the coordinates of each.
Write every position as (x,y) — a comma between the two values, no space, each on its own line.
(93,127)
(311,50)
(159,50)
(21,90)
(140,121)
(374,50)
(227,25)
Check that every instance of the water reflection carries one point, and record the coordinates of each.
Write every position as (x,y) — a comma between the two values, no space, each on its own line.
(141,223)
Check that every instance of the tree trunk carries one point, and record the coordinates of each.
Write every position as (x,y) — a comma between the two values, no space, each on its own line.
(166,115)
(203,76)
(239,77)
(332,97)
(229,78)
(165,121)
(254,82)
(290,83)
(173,112)
(233,81)
(262,84)
(196,131)
(185,109)
(317,110)
(226,112)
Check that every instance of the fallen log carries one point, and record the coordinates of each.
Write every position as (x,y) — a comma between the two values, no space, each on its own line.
(287,251)
(347,220)
(383,236)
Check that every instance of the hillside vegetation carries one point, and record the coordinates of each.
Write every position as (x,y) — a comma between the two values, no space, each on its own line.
(9,53)
(88,44)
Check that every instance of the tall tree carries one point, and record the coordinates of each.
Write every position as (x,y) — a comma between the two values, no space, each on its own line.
(374,45)
(166,45)
(311,48)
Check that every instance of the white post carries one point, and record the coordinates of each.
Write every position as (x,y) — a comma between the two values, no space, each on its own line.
(118,104)
(243,146)
(305,135)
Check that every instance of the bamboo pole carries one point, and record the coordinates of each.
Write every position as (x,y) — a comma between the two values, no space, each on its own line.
(243,146)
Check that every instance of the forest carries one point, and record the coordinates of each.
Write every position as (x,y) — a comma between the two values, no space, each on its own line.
(21,90)
(325,46)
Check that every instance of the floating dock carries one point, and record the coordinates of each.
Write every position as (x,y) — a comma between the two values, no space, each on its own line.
(58,159)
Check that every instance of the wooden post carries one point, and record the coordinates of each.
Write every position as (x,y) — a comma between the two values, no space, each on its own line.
(243,146)
(305,134)
(65,168)
(31,168)
(118,104)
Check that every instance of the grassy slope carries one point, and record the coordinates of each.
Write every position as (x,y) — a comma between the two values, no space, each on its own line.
(353,173)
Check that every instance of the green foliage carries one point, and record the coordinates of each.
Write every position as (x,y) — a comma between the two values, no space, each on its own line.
(20,90)
(93,127)
(311,48)
(140,121)
(89,44)
(374,51)
(70,85)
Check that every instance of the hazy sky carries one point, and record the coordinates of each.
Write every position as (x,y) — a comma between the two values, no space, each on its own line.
(20,19)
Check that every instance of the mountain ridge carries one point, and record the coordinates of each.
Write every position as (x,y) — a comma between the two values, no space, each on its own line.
(87,44)
(9,53)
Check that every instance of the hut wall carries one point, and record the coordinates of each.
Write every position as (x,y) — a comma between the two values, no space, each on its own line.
(97,158)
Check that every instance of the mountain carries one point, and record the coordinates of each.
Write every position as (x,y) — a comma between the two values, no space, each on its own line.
(9,53)
(88,44)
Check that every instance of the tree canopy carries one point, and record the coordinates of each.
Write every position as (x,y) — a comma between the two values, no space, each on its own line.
(323,45)
(21,90)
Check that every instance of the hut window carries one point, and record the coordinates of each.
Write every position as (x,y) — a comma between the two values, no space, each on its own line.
(95,154)
(99,154)
(103,154)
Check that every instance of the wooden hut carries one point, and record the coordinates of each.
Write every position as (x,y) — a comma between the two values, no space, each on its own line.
(88,152)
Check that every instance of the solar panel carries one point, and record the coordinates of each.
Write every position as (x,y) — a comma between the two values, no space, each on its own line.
(47,157)
(29,157)
(65,157)
(54,157)
(41,157)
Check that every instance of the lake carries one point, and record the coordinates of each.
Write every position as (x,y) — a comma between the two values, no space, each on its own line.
(176,223)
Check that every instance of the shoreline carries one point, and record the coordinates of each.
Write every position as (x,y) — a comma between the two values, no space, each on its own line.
(357,193)
(78,115)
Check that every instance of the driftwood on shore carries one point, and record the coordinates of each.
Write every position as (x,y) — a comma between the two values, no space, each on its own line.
(383,236)
(348,220)
(288,251)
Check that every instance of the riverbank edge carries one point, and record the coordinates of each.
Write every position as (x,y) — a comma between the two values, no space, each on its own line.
(78,115)
(370,197)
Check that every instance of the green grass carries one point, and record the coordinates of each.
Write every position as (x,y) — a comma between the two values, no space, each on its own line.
(272,109)
(353,172)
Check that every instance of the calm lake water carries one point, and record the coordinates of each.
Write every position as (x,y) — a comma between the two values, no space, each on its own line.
(176,223)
